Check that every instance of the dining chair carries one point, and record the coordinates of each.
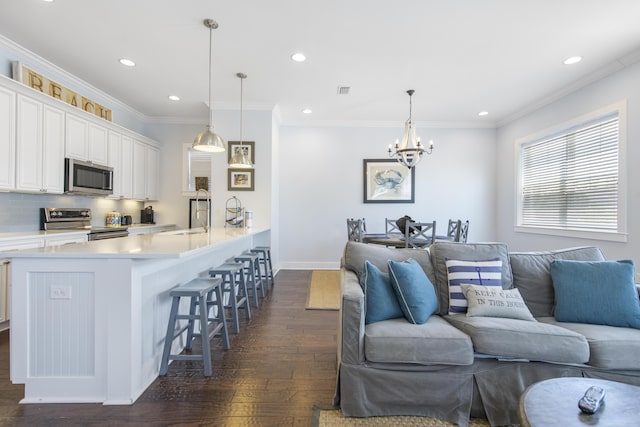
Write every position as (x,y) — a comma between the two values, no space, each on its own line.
(390,227)
(452,230)
(463,231)
(419,235)
(355,229)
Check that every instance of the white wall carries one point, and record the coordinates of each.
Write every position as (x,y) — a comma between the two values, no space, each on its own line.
(173,207)
(321,184)
(624,84)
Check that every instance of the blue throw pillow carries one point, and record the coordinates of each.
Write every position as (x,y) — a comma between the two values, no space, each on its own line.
(380,301)
(414,291)
(597,292)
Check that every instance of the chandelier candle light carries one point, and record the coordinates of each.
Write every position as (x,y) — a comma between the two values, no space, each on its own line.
(208,140)
(410,150)
(240,158)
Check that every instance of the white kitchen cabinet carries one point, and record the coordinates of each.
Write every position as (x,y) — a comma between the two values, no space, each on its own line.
(86,140)
(7,138)
(98,144)
(120,159)
(146,159)
(39,147)
(5,291)
(152,175)
(139,155)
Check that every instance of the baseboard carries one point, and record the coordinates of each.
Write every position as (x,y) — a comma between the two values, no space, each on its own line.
(310,265)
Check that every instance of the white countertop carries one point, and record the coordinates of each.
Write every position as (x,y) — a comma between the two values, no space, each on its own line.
(159,245)
(40,233)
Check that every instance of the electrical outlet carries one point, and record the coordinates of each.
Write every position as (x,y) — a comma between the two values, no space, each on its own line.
(60,292)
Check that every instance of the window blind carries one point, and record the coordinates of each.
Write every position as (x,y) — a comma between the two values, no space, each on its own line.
(570,181)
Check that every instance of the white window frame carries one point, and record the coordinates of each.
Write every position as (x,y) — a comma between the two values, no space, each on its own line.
(620,235)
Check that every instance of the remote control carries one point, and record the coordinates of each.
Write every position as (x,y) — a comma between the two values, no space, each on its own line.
(591,400)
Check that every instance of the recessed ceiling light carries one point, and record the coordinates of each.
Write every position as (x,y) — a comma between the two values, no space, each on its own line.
(572,60)
(127,62)
(174,97)
(298,57)
(307,111)
(483,113)
(48,1)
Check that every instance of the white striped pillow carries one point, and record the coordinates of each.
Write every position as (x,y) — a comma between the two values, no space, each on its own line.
(482,273)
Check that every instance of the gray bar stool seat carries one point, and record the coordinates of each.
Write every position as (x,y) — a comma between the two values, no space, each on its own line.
(265,260)
(236,289)
(199,290)
(252,271)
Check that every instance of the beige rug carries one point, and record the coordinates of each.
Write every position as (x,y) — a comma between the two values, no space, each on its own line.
(333,418)
(324,290)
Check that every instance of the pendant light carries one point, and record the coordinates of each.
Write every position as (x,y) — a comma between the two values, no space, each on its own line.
(410,150)
(240,158)
(208,140)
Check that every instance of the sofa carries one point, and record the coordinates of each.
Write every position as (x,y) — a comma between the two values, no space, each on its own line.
(455,367)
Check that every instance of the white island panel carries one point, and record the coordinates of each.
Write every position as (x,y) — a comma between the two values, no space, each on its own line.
(91,328)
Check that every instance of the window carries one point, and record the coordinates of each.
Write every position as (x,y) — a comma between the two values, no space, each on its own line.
(570,180)
(196,170)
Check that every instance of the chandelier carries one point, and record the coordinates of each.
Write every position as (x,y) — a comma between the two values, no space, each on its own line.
(410,150)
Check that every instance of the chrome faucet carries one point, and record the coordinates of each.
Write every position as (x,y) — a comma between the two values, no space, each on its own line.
(208,208)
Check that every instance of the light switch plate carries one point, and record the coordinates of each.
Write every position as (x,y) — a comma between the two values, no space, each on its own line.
(60,292)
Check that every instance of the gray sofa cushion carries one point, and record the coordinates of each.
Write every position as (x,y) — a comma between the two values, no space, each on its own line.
(610,347)
(522,339)
(355,254)
(531,275)
(440,251)
(433,342)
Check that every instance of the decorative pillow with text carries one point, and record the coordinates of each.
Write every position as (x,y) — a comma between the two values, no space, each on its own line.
(491,301)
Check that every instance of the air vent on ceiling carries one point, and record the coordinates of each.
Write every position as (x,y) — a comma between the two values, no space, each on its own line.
(343,90)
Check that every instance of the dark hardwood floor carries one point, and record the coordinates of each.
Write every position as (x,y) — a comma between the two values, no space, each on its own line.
(281,364)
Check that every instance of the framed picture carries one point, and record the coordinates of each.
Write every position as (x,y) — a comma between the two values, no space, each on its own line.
(248,148)
(198,213)
(240,179)
(387,181)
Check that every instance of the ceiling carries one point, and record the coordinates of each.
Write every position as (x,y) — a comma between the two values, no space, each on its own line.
(460,56)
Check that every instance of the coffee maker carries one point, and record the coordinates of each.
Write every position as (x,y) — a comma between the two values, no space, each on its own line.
(147,215)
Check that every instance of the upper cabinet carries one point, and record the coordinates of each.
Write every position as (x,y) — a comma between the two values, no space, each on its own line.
(7,138)
(40,147)
(120,159)
(86,140)
(37,132)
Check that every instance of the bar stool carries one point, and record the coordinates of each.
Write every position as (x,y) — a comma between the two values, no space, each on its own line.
(252,271)
(266,262)
(238,295)
(198,290)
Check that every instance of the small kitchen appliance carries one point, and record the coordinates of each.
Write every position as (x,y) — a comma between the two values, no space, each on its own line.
(147,216)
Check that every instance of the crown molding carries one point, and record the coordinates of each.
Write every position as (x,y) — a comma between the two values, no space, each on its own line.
(42,65)
(612,68)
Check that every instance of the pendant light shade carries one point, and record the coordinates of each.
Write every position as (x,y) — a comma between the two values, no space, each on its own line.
(208,140)
(240,159)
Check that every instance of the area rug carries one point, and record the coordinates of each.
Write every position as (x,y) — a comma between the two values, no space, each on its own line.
(331,417)
(324,290)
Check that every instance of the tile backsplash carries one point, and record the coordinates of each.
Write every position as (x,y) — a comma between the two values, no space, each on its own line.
(21,212)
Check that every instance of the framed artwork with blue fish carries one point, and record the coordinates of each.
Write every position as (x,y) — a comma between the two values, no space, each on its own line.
(387,181)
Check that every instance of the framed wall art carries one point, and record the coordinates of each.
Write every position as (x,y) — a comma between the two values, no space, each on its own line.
(387,181)
(240,179)
(247,146)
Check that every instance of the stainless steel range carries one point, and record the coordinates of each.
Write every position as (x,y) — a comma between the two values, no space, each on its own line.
(77,219)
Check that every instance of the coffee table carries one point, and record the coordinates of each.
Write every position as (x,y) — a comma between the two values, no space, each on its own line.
(555,403)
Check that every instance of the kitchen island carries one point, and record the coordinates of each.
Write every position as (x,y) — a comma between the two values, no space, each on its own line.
(89,319)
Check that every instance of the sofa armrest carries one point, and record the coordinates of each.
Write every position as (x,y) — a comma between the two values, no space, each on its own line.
(352,313)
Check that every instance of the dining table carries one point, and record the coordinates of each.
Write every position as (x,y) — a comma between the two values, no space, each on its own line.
(396,240)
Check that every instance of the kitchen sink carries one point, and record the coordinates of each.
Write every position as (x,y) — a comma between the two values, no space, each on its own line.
(184,232)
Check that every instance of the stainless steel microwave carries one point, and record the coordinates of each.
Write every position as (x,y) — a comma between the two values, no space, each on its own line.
(87,178)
